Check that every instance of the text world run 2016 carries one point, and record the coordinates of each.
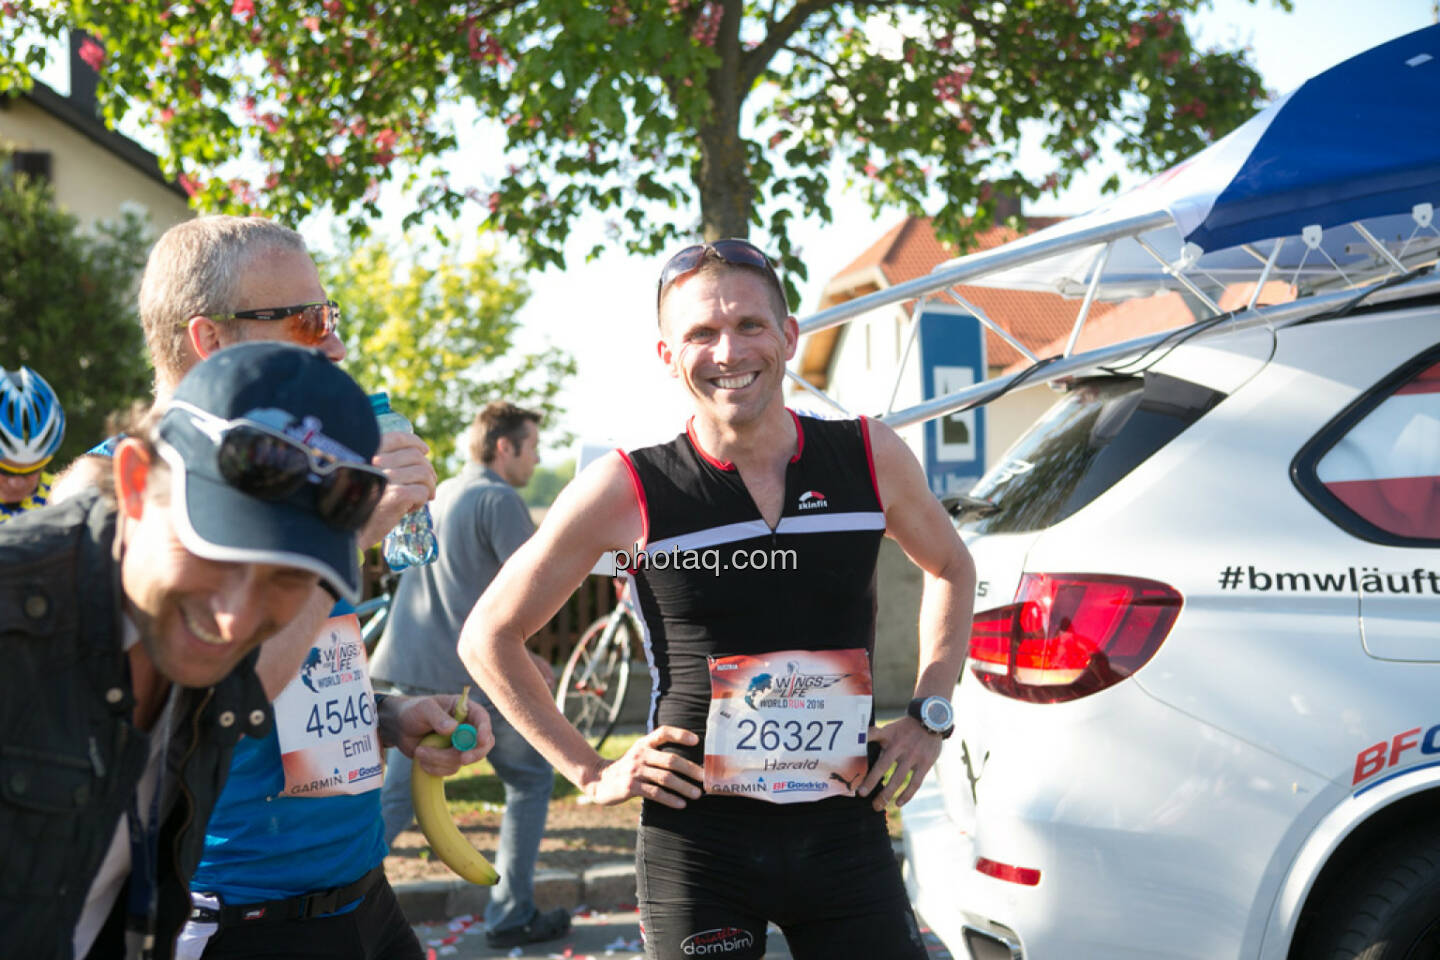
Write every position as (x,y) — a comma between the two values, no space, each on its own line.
(639,558)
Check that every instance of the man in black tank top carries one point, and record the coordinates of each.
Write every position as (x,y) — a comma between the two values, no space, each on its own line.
(751,541)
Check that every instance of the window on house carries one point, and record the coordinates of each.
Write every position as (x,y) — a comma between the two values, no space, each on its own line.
(34,164)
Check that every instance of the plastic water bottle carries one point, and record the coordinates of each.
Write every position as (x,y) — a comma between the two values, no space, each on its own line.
(412,542)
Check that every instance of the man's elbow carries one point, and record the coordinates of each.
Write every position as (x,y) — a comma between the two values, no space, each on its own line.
(958,571)
(479,643)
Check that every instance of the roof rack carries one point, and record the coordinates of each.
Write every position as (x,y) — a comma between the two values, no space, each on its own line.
(1141,255)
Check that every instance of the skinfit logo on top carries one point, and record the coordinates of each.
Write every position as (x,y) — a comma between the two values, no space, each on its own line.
(717,943)
(812,500)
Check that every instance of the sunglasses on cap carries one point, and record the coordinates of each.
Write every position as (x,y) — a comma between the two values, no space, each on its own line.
(740,253)
(268,465)
(307,324)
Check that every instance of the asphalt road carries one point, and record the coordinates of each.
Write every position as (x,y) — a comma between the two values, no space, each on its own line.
(600,935)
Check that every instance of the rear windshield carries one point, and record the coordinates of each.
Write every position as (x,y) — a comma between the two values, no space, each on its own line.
(1084,445)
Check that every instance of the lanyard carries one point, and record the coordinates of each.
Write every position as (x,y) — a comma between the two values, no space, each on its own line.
(143,896)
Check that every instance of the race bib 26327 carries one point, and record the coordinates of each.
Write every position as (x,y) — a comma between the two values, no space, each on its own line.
(789,726)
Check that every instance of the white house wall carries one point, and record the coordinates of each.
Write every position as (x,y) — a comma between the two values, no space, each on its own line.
(89,181)
(866,389)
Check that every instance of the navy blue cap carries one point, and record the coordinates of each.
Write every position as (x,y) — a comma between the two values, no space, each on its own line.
(295,391)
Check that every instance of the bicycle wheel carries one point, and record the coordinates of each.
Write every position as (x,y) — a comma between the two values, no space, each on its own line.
(377,609)
(593,685)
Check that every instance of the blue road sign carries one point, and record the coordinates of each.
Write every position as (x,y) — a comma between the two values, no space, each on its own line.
(952,356)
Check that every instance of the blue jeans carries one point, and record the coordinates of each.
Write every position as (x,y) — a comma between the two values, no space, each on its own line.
(528,780)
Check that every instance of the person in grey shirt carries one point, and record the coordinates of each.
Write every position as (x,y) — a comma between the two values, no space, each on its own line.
(480,520)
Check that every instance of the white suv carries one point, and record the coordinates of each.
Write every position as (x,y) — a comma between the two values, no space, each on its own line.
(1201,713)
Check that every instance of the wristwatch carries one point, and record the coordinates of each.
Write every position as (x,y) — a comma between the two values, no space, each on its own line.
(934,713)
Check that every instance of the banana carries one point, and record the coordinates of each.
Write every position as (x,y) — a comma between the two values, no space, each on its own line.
(427,793)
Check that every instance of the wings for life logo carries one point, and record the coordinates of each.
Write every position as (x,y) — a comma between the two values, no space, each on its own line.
(717,942)
(334,665)
(791,684)
(812,500)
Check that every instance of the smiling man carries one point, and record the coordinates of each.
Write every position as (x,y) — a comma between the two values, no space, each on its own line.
(295,845)
(131,620)
(762,764)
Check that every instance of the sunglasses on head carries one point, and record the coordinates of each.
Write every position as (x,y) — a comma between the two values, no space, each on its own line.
(740,253)
(307,324)
(268,465)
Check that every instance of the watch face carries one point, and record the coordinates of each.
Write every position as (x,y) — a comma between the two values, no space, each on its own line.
(936,713)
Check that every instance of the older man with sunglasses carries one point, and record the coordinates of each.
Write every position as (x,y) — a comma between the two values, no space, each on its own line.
(763,781)
(294,852)
(132,618)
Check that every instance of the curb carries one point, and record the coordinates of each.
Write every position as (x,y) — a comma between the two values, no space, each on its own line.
(603,887)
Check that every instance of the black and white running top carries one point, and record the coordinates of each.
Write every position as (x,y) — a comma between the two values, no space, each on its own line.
(808,584)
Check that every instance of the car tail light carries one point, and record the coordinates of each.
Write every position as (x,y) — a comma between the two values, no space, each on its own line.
(1068,635)
(1025,876)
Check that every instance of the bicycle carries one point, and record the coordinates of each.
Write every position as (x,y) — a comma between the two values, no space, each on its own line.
(377,610)
(597,674)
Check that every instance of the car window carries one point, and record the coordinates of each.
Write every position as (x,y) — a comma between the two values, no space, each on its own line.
(1375,470)
(1101,430)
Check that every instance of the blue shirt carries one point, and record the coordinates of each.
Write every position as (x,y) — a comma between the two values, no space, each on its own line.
(260,845)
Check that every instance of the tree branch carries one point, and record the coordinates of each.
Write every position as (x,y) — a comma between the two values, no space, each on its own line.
(819,60)
(754,62)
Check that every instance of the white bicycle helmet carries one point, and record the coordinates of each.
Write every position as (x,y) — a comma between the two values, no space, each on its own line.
(32,422)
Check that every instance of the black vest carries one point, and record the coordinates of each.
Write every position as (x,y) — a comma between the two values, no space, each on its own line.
(70,757)
(816,590)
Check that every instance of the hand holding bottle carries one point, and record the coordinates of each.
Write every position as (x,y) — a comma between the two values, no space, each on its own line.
(405,460)
(412,540)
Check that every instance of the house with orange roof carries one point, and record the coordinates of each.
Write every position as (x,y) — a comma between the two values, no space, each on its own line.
(868,367)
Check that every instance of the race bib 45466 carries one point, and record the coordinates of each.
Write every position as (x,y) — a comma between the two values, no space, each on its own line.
(325,718)
(789,726)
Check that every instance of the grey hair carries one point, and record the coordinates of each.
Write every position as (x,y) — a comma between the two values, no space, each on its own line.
(194,270)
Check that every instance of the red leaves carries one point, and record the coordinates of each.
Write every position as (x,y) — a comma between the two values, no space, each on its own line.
(92,53)
(1194,107)
(482,45)
(707,25)
(949,87)
(385,142)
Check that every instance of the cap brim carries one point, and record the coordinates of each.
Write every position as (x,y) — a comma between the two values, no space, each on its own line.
(218,522)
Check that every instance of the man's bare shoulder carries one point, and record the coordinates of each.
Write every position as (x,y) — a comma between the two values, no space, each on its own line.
(607,481)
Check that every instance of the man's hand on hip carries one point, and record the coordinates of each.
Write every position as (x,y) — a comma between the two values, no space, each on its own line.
(911,750)
(647,771)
